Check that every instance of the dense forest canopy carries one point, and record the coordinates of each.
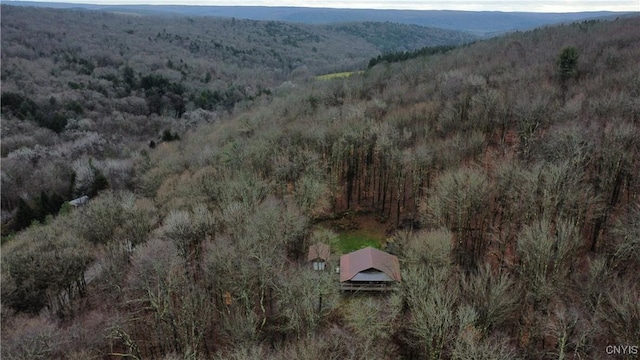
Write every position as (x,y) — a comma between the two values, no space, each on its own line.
(81,88)
(502,174)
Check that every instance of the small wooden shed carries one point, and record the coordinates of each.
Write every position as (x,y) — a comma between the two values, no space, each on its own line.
(319,255)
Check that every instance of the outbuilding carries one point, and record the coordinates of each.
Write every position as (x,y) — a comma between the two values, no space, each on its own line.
(79,201)
(319,255)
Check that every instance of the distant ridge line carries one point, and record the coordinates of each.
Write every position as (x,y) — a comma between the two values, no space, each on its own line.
(481,23)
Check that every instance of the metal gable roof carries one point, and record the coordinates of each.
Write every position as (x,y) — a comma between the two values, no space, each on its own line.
(368,258)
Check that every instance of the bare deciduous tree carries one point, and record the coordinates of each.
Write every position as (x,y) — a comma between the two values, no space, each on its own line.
(495,297)
(547,254)
(460,202)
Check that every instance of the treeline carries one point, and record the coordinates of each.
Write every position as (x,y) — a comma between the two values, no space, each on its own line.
(392,37)
(406,55)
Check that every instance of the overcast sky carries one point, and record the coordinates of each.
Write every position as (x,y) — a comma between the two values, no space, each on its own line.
(478,5)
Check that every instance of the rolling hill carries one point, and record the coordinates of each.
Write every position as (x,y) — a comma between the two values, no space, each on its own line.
(105,79)
(482,23)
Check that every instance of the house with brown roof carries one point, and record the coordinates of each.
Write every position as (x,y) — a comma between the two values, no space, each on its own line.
(369,269)
(319,255)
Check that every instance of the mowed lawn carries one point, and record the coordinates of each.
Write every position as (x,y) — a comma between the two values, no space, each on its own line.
(352,240)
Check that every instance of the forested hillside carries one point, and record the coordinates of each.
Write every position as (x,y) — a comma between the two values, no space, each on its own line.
(82,89)
(504,175)
(481,23)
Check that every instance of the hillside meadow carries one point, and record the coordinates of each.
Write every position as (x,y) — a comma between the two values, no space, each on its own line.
(503,174)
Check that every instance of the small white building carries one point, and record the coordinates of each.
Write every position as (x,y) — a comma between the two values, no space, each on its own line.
(319,254)
(79,201)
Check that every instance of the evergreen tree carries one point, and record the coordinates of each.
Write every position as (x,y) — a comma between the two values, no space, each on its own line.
(568,64)
(24,216)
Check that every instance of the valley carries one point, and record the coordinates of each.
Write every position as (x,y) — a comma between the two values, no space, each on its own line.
(500,172)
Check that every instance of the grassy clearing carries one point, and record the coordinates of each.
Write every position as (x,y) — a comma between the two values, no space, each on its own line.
(349,241)
(339,75)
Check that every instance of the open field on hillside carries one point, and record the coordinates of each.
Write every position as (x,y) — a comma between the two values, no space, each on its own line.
(339,75)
